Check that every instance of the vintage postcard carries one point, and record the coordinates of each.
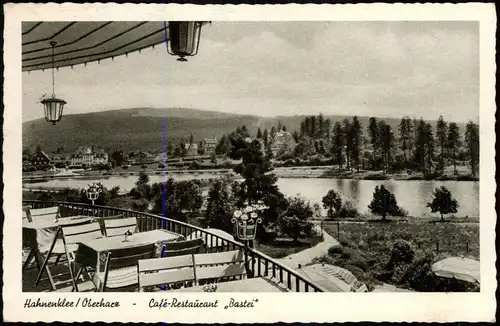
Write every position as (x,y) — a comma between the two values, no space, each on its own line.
(296,163)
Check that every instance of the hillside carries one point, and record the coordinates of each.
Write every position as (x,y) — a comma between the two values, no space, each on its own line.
(150,129)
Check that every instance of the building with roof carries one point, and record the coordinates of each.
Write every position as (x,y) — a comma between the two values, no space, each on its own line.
(209,145)
(89,156)
(41,160)
(191,149)
(282,141)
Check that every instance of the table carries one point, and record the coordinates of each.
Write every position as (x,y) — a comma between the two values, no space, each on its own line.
(257,284)
(101,246)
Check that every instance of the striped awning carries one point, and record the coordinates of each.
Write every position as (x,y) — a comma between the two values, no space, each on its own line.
(82,42)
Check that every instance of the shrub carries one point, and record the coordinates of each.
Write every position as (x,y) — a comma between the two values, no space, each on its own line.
(402,252)
(349,209)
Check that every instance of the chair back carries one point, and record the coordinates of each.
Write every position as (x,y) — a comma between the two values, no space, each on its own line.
(180,248)
(158,271)
(77,233)
(119,226)
(49,213)
(126,257)
(228,264)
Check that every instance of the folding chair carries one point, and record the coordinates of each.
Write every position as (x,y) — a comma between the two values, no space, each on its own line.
(157,272)
(119,226)
(179,248)
(121,267)
(49,213)
(71,237)
(219,266)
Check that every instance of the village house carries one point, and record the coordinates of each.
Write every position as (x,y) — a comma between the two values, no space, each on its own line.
(191,149)
(89,156)
(41,160)
(281,142)
(209,145)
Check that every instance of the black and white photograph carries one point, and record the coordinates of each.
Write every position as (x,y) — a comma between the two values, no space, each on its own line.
(284,156)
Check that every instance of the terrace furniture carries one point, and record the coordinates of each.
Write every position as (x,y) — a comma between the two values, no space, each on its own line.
(191,267)
(97,249)
(257,284)
(119,226)
(119,267)
(183,247)
(39,236)
(72,235)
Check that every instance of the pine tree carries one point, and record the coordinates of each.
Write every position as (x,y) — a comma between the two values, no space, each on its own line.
(453,143)
(348,135)
(337,148)
(328,126)
(386,143)
(266,137)
(314,127)
(404,137)
(259,133)
(441,133)
(472,145)
(373,133)
(356,130)
(321,126)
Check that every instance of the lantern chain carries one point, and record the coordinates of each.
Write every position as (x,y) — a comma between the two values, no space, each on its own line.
(53,44)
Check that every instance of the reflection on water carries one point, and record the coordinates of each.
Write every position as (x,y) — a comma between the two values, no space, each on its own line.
(411,195)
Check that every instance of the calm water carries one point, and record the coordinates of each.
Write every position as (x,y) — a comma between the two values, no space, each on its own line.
(411,195)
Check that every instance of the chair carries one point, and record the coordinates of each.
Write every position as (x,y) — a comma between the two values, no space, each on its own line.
(43,213)
(180,248)
(165,271)
(173,258)
(220,265)
(121,267)
(118,226)
(71,237)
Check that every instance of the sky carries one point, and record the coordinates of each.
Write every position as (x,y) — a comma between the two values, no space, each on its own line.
(382,69)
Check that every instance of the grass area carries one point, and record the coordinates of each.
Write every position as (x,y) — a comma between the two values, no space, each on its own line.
(280,248)
(366,249)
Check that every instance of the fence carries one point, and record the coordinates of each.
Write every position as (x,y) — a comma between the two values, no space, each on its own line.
(261,264)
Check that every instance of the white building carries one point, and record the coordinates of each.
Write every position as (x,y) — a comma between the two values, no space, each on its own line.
(89,156)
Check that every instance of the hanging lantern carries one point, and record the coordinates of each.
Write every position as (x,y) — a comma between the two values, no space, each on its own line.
(53,107)
(184,39)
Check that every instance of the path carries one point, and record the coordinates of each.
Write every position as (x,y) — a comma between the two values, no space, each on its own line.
(306,256)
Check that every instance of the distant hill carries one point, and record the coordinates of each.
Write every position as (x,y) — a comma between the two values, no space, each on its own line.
(149,128)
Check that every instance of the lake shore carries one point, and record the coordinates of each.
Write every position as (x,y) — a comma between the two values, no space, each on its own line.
(323,172)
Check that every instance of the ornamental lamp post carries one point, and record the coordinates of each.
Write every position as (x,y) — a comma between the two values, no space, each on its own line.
(53,107)
(93,190)
(245,226)
(184,38)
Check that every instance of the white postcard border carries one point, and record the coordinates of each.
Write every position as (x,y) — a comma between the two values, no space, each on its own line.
(291,307)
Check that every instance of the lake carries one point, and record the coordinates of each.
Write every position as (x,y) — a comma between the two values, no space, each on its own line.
(411,195)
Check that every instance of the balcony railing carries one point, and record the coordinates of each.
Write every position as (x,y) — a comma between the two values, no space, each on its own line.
(261,264)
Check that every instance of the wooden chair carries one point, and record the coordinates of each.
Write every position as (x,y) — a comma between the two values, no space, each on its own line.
(171,250)
(180,248)
(120,225)
(121,267)
(191,267)
(43,213)
(71,237)
(220,266)
(165,271)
